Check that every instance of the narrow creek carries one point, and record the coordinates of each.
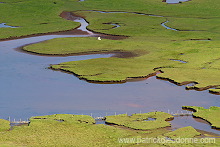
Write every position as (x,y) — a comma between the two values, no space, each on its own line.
(163,24)
(169,28)
(28,88)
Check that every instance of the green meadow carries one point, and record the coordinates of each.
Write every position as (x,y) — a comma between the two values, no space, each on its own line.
(81,130)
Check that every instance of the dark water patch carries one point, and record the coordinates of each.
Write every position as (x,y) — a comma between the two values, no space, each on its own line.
(3,25)
(178,60)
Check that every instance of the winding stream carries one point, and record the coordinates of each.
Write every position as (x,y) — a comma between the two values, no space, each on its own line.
(163,24)
(28,88)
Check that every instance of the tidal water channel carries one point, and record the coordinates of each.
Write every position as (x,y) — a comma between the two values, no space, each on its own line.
(28,88)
